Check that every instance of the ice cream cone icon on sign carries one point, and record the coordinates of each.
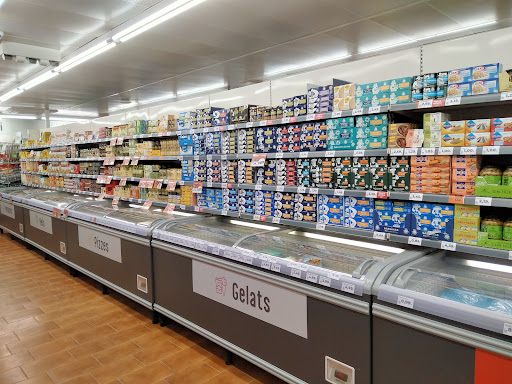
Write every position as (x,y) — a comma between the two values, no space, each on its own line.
(220,285)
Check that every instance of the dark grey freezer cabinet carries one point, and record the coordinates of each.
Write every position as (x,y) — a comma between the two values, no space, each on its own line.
(296,303)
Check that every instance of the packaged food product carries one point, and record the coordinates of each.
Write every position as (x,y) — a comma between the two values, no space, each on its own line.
(486,72)
(460,75)
(465,237)
(464,174)
(465,211)
(463,188)
(463,161)
(484,87)
(449,127)
(493,226)
(507,230)
(502,124)
(461,89)
(507,177)
(501,138)
(442,161)
(453,140)
(478,139)
(491,174)
(482,125)
(414,138)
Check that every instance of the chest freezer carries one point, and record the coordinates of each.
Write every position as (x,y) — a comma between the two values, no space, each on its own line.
(456,306)
(11,208)
(274,295)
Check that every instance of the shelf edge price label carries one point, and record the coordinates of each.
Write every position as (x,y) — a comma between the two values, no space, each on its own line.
(349,288)
(507,329)
(406,302)
(425,103)
(158,183)
(414,240)
(56,213)
(311,277)
(416,196)
(280,188)
(510,255)
(329,153)
(380,235)
(336,114)
(325,281)
(449,246)
(258,159)
(506,96)
(249,124)
(115,200)
(301,189)
(374,109)
(296,273)
(276,220)
(468,151)
(339,192)
(428,151)
(135,160)
(171,186)
(279,155)
(303,155)
(452,101)
(285,120)
(358,152)
(491,150)
(320,226)
(313,191)
(256,217)
(101,196)
(263,123)
(310,117)
(357,111)
(224,212)
(258,187)
(396,151)
(486,201)
(371,194)
(113,142)
(410,151)
(455,199)
(446,151)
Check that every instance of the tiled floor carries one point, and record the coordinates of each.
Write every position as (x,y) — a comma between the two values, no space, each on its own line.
(59,329)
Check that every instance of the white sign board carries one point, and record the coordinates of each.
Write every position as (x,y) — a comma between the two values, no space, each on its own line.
(100,243)
(41,222)
(7,210)
(274,305)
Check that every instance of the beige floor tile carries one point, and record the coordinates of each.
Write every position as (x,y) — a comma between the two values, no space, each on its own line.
(130,333)
(185,358)
(13,361)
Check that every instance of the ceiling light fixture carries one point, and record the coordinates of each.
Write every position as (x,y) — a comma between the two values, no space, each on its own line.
(201,90)
(294,68)
(69,119)
(76,113)
(21,117)
(155,19)
(157,99)
(124,106)
(38,80)
(10,94)
(86,55)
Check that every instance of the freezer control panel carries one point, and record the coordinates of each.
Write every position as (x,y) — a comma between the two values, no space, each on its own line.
(338,373)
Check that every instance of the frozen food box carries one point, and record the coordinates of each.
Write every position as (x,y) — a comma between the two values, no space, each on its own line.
(484,87)
(458,76)
(486,72)
(460,89)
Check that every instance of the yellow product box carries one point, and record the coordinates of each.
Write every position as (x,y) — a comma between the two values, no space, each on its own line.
(465,237)
(477,139)
(505,81)
(467,224)
(451,127)
(481,125)
(462,210)
(453,140)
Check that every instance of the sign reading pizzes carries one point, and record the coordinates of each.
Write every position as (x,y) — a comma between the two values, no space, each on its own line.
(41,222)
(98,242)
(278,306)
(7,210)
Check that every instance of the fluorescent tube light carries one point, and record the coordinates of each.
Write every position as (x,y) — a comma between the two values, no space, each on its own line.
(253,225)
(85,56)
(10,94)
(70,119)
(76,113)
(124,106)
(201,90)
(38,80)
(388,46)
(489,266)
(21,117)
(157,99)
(354,243)
(307,65)
(155,19)
(459,30)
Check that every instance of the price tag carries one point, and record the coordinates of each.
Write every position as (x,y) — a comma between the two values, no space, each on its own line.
(505,96)
(296,273)
(113,142)
(120,140)
(311,277)
(101,196)
(158,183)
(487,201)
(56,213)
(285,120)
(468,151)
(126,161)
(374,109)
(258,187)
(320,226)
(357,111)
(410,151)
(258,159)
(396,152)
(266,265)
(449,246)
(249,124)
(209,157)
(276,220)
(276,267)
(453,199)
(196,209)
(135,160)
(115,201)
(171,186)
(319,116)
(224,212)
(263,123)
(349,288)
(313,191)
(424,104)
(301,189)
(416,196)
(336,114)
(414,240)
(371,194)
(428,151)
(279,155)
(507,329)
(310,117)
(452,101)
(510,255)
(405,302)
(205,130)
(329,153)
(491,150)
(379,235)
(358,153)
(256,217)
(303,155)
(183,207)
(446,151)
(109,179)
(339,192)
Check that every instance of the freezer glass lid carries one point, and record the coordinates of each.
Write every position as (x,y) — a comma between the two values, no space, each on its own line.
(59,199)
(135,214)
(330,252)
(24,192)
(481,284)
(217,229)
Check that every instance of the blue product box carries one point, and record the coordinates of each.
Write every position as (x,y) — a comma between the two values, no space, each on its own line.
(360,223)
(383,205)
(288,103)
(358,202)
(358,212)
(486,72)
(402,206)
(459,89)
(421,209)
(326,91)
(186,150)
(329,199)
(185,140)
(300,101)
(458,76)
(484,87)
(443,210)
(330,210)
(330,220)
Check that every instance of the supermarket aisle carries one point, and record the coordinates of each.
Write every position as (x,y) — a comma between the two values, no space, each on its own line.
(59,329)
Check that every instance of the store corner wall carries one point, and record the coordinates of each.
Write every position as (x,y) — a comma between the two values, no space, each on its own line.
(29,129)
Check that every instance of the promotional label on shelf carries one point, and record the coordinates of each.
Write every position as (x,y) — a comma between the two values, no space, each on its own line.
(120,140)
(258,159)
(100,243)
(278,306)
(41,222)
(113,142)
(135,161)
(147,205)
(171,186)
(126,161)
(122,183)
(7,210)
(197,187)
(169,208)
(115,201)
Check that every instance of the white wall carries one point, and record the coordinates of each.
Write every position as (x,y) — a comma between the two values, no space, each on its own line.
(29,129)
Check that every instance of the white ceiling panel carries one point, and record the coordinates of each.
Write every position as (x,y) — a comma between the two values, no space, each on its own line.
(471,12)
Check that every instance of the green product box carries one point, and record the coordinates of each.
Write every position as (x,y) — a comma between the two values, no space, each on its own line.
(372,120)
(362,178)
(338,145)
(343,180)
(372,143)
(370,100)
(342,122)
(399,84)
(399,97)
(484,241)
(373,131)
(486,186)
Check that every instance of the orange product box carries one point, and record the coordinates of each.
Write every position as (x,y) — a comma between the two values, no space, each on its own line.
(463,161)
(463,188)
(438,161)
(464,174)
(430,170)
(430,189)
(429,182)
(477,139)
